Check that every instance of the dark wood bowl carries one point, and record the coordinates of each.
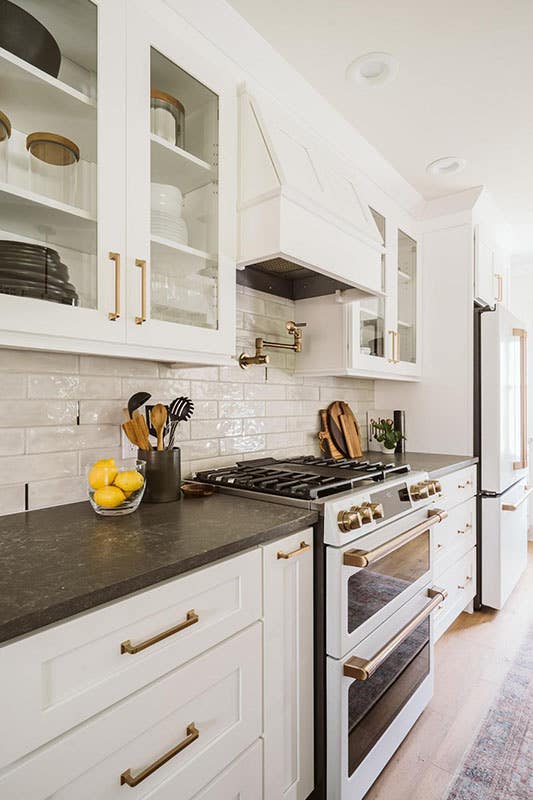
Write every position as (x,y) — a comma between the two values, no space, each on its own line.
(194,489)
(27,38)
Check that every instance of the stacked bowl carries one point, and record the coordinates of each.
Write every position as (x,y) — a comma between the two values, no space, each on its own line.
(167,222)
(30,270)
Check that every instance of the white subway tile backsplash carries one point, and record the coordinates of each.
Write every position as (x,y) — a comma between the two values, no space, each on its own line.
(59,413)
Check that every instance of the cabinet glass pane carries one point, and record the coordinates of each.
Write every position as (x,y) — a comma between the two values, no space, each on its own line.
(184,196)
(48,223)
(407,279)
(372,310)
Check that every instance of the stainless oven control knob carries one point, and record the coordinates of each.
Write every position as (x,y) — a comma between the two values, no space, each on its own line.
(349,520)
(377,510)
(418,491)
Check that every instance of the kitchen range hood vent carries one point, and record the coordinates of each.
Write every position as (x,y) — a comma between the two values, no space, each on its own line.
(304,230)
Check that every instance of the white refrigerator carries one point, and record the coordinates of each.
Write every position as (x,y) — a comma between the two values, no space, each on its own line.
(504,454)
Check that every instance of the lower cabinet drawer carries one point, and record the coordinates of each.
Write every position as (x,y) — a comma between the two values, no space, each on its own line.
(166,741)
(242,780)
(58,678)
(454,536)
(459,580)
(456,487)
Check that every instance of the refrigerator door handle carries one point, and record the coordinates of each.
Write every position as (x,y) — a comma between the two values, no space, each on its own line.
(515,506)
(522,334)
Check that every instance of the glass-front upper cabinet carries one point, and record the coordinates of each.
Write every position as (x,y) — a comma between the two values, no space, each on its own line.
(181,192)
(62,133)
(406,322)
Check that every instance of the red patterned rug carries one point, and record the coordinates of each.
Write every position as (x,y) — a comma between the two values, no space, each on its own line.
(500,764)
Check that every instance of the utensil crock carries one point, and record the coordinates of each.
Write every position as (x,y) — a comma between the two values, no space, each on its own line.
(163,475)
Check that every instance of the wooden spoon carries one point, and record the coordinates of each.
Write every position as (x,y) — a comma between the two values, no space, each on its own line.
(158,418)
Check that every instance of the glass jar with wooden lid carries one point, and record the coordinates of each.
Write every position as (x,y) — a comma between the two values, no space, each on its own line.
(54,163)
(167,117)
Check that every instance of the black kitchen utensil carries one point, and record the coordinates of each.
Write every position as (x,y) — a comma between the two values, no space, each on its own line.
(136,401)
(180,410)
(27,38)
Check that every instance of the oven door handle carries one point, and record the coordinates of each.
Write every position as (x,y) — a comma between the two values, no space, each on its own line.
(362,558)
(361,669)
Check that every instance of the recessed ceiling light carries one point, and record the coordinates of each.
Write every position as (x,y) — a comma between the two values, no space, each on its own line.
(450,165)
(372,69)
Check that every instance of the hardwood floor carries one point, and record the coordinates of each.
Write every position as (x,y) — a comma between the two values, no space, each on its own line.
(471,660)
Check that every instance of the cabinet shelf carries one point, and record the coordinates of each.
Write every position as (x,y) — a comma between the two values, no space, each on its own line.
(169,246)
(35,100)
(28,213)
(171,164)
(402,324)
(404,276)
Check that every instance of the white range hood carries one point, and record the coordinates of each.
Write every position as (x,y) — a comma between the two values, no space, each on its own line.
(299,208)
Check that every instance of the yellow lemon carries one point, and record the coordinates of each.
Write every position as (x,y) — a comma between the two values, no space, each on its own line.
(129,481)
(105,462)
(109,496)
(102,474)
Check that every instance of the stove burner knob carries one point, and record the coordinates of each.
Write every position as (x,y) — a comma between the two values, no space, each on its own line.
(377,510)
(366,513)
(418,491)
(430,486)
(349,520)
(438,487)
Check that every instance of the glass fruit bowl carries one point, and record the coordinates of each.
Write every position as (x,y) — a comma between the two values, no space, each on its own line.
(116,488)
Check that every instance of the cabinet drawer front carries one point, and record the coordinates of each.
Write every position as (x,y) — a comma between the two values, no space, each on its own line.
(455,536)
(219,693)
(458,486)
(64,675)
(460,582)
(242,780)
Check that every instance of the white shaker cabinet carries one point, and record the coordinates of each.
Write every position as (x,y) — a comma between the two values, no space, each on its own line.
(288,668)
(141,254)
(491,268)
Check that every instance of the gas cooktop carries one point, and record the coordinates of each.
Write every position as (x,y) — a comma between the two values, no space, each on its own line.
(304,477)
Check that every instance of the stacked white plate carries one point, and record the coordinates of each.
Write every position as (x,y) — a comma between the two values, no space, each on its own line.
(167,221)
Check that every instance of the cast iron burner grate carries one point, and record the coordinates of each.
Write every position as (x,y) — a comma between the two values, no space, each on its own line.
(304,477)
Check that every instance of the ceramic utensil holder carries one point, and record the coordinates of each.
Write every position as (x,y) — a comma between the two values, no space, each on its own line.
(163,475)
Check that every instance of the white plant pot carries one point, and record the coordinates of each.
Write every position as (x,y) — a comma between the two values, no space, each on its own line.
(388,450)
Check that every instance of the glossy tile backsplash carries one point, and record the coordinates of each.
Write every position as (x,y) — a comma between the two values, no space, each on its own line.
(60,412)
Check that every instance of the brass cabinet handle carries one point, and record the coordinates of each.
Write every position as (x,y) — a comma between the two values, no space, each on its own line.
(127,647)
(467,580)
(515,506)
(392,360)
(465,484)
(363,668)
(397,338)
(499,278)
(140,262)
(362,558)
(303,546)
(522,334)
(192,735)
(114,315)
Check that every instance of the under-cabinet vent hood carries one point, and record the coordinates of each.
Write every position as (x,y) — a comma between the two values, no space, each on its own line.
(304,230)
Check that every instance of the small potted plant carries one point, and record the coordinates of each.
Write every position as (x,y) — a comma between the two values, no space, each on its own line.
(384,433)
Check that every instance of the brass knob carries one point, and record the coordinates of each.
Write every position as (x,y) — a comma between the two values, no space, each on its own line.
(418,491)
(366,513)
(349,520)
(430,485)
(377,510)
(438,487)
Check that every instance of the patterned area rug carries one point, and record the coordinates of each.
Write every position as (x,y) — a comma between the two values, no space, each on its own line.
(500,764)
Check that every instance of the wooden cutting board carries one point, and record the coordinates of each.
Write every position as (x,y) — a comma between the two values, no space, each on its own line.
(351,430)
(335,412)
(327,444)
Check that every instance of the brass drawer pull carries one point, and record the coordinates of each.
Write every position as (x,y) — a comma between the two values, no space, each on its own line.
(192,734)
(363,668)
(303,546)
(362,558)
(465,484)
(114,315)
(141,263)
(127,647)
(515,506)
(463,585)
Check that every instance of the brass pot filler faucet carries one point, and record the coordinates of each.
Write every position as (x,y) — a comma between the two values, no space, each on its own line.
(261,358)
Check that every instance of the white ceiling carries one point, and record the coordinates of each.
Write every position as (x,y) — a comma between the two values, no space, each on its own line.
(464,88)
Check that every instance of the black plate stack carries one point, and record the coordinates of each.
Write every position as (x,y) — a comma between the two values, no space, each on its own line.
(31,270)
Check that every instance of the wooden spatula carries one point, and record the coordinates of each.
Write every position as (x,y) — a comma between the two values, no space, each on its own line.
(158,418)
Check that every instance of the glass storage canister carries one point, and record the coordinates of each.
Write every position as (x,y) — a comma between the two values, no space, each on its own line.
(167,117)
(53,166)
(5,134)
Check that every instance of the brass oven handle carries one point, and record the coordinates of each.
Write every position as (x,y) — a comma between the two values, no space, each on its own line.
(499,278)
(363,668)
(114,315)
(515,506)
(522,334)
(140,262)
(362,558)
(127,647)
(192,734)
(303,546)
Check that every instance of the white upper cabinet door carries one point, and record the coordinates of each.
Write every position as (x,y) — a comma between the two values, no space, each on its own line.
(181,187)
(288,668)
(485,290)
(62,182)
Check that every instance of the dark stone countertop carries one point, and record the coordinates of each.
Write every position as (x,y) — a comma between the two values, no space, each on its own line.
(59,561)
(436,464)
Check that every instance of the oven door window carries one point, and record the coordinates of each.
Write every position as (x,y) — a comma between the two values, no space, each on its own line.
(371,588)
(374,703)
